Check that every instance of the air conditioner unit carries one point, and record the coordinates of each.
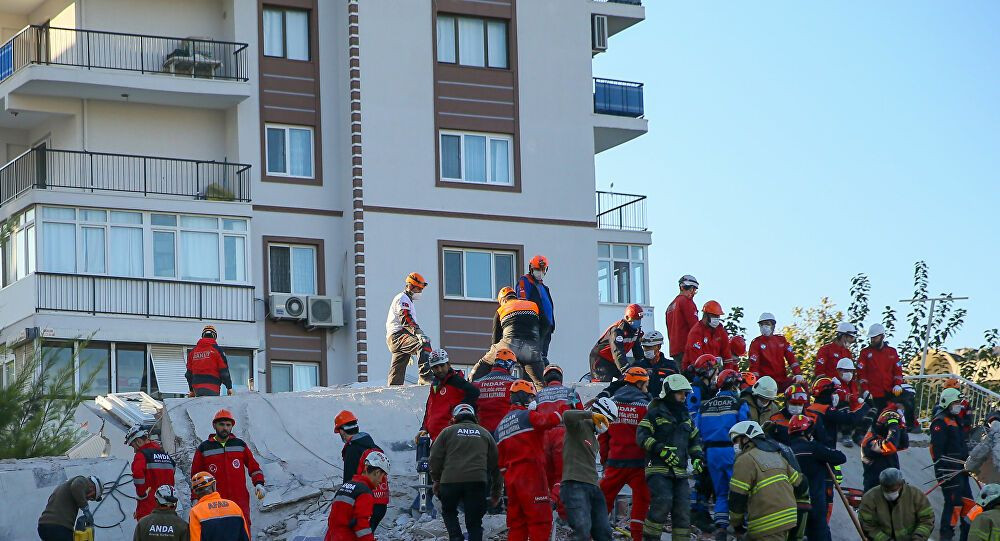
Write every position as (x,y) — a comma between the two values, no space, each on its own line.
(287,307)
(599,33)
(325,312)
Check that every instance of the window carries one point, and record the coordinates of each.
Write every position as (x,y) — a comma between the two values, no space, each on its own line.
(471,41)
(477,274)
(57,364)
(240,363)
(293,376)
(286,33)
(130,368)
(95,369)
(476,157)
(18,251)
(621,273)
(289,151)
(292,269)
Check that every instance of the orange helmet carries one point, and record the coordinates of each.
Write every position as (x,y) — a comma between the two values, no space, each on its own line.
(633,311)
(345,420)
(727,378)
(712,307)
(636,375)
(504,354)
(504,293)
(201,481)
(738,346)
(952,383)
(224,415)
(523,386)
(539,262)
(416,280)
(552,369)
(704,363)
(749,378)
(799,423)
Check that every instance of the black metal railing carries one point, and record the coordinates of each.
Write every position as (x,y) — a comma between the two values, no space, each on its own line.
(41,168)
(621,98)
(144,297)
(630,2)
(191,57)
(623,211)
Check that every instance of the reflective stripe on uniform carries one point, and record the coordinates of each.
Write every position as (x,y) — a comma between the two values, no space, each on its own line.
(344,498)
(737,484)
(159,466)
(139,481)
(363,532)
(772,520)
(769,481)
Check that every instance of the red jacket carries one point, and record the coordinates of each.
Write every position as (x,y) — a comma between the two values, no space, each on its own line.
(827,358)
(444,395)
(768,355)
(879,370)
(228,462)
(381,492)
(207,369)
(556,397)
(494,397)
(519,437)
(703,339)
(351,512)
(682,314)
(616,343)
(151,468)
(618,445)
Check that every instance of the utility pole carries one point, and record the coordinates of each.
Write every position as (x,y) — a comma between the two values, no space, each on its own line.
(930,316)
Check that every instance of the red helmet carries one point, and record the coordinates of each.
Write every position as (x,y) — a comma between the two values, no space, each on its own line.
(738,346)
(224,415)
(749,378)
(727,378)
(635,375)
(704,363)
(797,394)
(712,307)
(539,262)
(822,384)
(633,311)
(799,423)
(345,419)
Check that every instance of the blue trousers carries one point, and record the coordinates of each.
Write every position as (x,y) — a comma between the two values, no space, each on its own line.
(586,511)
(720,467)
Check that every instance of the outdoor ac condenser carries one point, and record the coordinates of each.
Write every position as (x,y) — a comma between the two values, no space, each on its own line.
(325,312)
(599,33)
(287,306)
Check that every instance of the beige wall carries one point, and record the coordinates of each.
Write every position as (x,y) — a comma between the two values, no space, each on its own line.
(156,130)
(174,18)
(59,13)
(10,25)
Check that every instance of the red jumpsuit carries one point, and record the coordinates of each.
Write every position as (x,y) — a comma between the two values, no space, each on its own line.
(768,356)
(207,369)
(519,440)
(624,459)
(445,394)
(609,356)
(827,358)
(151,468)
(226,461)
(879,370)
(703,339)
(556,397)
(494,397)
(351,512)
(682,314)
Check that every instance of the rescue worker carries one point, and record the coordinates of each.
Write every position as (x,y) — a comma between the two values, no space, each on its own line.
(58,520)
(214,518)
(796,402)
(351,511)
(207,366)
(708,336)
(670,440)
(895,510)
(765,488)
(813,458)
(531,288)
(515,327)
(609,355)
(882,444)
(151,468)
(986,526)
(403,335)
(582,496)
(464,469)
(949,451)
(494,390)
(880,372)
(449,389)
(761,400)
(856,400)
(623,459)
(827,405)
(555,397)
(657,365)
(771,354)
(828,355)
(229,459)
(162,523)
(738,350)
(984,459)
(519,437)
(357,446)
(703,373)
(717,416)
(682,314)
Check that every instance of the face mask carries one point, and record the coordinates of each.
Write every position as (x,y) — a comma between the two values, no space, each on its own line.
(713,322)
(637,324)
(795,409)
(766,330)
(649,353)
(834,400)
(956,409)
(538,274)
(736,448)
(416,295)
(763,403)
(846,377)
(892,496)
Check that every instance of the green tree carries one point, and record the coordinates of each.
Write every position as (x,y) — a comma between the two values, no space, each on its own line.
(978,363)
(733,322)
(810,329)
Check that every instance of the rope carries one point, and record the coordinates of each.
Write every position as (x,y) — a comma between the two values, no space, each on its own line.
(112,489)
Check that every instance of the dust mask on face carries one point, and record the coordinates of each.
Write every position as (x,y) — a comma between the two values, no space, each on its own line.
(416,295)
(649,353)
(766,330)
(846,377)
(736,448)
(834,400)
(956,409)
(795,409)
(713,322)
(538,274)
(892,496)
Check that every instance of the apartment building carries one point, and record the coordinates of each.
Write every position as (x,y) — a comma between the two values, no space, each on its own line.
(275,168)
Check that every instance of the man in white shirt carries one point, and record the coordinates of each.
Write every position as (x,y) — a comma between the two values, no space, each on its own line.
(403,335)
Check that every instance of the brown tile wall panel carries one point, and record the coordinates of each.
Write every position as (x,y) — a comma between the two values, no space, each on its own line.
(501,9)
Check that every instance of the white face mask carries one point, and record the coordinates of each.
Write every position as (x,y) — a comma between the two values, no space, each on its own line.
(795,409)
(766,330)
(713,322)
(538,274)
(736,448)
(649,353)
(892,496)
(834,400)
(956,409)
(416,295)
(846,377)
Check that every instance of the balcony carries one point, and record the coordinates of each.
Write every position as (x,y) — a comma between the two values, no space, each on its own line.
(621,14)
(144,297)
(621,211)
(75,63)
(75,170)
(618,106)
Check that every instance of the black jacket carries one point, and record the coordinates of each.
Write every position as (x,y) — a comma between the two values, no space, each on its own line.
(813,458)
(352,452)
(947,439)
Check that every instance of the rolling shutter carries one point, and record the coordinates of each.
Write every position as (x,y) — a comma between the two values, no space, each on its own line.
(169,365)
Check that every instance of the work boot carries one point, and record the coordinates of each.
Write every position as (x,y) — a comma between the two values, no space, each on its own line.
(703,521)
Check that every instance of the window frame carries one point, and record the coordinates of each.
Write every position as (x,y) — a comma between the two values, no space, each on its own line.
(292,365)
(287,128)
(291,267)
(486,40)
(509,139)
(19,249)
(612,280)
(284,32)
(465,275)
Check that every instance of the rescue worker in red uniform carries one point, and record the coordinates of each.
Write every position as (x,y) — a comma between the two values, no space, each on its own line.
(519,437)
(151,468)
(516,327)
(351,511)
(357,446)
(610,354)
(207,366)
(738,350)
(229,459)
(555,397)
(623,459)
(879,369)
(682,314)
(829,355)
(494,390)
(708,336)
(772,355)
(448,389)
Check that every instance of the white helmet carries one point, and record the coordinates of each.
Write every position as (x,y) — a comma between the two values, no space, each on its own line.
(846,327)
(766,316)
(988,494)
(876,330)
(765,387)
(438,356)
(749,429)
(606,407)
(135,433)
(98,488)
(166,495)
(654,338)
(463,409)
(675,383)
(846,364)
(687,280)
(378,460)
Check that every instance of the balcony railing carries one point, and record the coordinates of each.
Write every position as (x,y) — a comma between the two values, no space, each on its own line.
(41,168)
(620,98)
(630,2)
(622,211)
(89,49)
(144,297)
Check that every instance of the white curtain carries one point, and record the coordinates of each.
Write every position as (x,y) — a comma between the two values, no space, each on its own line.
(274,33)
(300,151)
(471,42)
(235,258)
(126,251)
(500,156)
(297,26)
(59,247)
(199,256)
(93,249)
(446,39)
(304,271)
(496,34)
(479,275)
(475,158)
(306,376)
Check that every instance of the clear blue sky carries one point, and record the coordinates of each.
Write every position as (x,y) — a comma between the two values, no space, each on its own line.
(793,145)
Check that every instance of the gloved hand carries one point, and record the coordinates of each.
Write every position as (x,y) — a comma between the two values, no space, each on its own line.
(190,394)
(799,378)
(600,422)
(416,439)
(836,381)
(532,406)
(697,466)
(88,516)
(897,390)
(669,457)
(423,338)
(261,492)
(834,400)
(229,392)
(865,395)
(838,474)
